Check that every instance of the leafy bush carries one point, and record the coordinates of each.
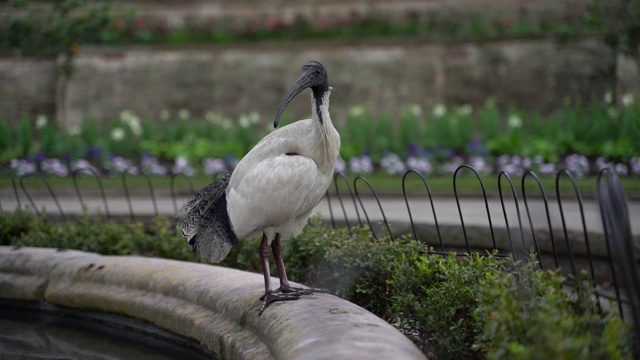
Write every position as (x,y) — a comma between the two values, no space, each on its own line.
(526,314)
(69,22)
(485,307)
(95,235)
(437,298)
(57,29)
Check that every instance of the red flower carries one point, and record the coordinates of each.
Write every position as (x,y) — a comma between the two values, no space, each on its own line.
(140,23)
(271,24)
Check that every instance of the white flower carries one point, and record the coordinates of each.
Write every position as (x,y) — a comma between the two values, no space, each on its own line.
(41,121)
(356,111)
(74,130)
(244,121)
(225,123)
(183,114)
(211,117)
(131,119)
(608,97)
(514,121)
(415,110)
(136,129)
(254,117)
(176,23)
(164,115)
(465,110)
(117,134)
(439,110)
(627,100)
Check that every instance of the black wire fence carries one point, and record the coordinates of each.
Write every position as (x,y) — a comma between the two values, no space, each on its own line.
(554,227)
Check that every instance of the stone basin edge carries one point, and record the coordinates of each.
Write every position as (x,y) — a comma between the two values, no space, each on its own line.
(216,306)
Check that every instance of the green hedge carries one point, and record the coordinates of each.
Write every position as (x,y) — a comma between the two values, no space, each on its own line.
(453,307)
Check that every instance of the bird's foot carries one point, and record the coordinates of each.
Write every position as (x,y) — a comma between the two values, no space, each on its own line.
(272,297)
(299,291)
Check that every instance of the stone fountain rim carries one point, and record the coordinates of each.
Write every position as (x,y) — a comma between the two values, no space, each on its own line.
(215,306)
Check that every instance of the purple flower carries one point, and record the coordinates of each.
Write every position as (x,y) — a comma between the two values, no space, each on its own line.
(635,165)
(577,164)
(361,165)
(231,161)
(413,149)
(22,167)
(150,165)
(182,166)
(621,169)
(451,166)
(118,165)
(214,166)
(54,167)
(443,153)
(420,164)
(82,164)
(480,164)
(92,152)
(392,164)
(38,158)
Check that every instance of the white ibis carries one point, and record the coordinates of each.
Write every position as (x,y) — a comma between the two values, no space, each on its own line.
(273,190)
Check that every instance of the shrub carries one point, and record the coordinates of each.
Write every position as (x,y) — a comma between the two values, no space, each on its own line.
(95,235)
(437,297)
(526,314)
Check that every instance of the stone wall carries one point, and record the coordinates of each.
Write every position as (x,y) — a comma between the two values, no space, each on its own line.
(27,87)
(386,75)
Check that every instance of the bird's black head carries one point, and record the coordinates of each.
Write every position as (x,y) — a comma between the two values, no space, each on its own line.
(313,76)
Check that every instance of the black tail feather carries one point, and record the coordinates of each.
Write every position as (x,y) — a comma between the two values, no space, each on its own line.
(205,222)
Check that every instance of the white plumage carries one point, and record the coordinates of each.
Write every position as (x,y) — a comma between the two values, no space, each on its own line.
(273,192)
(274,188)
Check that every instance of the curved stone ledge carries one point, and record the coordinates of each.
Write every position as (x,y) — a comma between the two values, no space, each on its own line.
(216,306)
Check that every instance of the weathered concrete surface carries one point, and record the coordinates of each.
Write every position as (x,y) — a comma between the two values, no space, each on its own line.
(214,305)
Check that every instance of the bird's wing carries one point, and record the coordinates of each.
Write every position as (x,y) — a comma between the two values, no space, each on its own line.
(273,192)
(192,214)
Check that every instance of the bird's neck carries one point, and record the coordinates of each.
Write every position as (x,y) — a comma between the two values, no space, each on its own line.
(328,143)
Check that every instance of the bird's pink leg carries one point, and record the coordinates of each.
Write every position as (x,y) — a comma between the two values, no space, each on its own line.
(264,259)
(269,295)
(282,274)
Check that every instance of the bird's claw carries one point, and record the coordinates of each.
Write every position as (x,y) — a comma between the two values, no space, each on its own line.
(272,297)
(299,290)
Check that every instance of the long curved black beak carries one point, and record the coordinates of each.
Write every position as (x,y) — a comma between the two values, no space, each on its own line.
(304,81)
